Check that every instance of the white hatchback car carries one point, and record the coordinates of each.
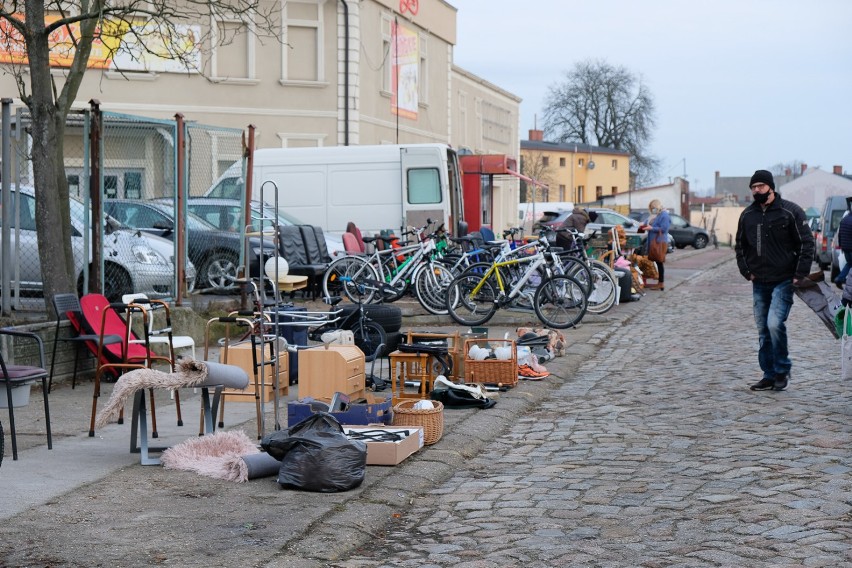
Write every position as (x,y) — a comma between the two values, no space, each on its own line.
(133,261)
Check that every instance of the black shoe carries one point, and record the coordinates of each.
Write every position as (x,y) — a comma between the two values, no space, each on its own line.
(780,382)
(764,384)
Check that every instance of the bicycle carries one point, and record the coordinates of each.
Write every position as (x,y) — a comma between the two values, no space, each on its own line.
(473,297)
(597,275)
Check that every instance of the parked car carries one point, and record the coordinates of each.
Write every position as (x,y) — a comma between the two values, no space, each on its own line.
(604,219)
(683,233)
(215,252)
(833,210)
(133,262)
(224,213)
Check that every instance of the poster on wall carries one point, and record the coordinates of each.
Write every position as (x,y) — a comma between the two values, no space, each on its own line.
(119,45)
(406,66)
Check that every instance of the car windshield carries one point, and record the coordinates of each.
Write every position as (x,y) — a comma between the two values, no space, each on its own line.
(193,221)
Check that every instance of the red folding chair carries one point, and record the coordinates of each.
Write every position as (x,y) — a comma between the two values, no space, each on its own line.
(99,317)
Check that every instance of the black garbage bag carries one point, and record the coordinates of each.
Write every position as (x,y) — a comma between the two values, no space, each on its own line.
(316,455)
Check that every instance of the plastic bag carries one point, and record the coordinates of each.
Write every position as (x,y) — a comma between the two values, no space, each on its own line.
(316,455)
(846,346)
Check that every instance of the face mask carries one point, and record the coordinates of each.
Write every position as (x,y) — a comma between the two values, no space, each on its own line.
(761,198)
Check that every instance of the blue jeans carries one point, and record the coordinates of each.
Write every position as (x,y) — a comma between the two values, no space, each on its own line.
(772,303)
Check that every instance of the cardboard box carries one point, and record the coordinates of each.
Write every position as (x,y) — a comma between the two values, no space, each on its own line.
(240,355)
(377,410)
(390,452)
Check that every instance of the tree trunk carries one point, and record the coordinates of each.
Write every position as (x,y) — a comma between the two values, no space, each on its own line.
(53,222)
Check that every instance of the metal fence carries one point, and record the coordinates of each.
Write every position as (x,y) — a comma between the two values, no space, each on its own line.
(144,164)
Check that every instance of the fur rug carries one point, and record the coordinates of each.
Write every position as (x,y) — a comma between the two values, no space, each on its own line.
(189,373)
(219,455)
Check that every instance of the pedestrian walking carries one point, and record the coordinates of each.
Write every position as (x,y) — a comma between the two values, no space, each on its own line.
(844,241)
(775,249)
(658,241)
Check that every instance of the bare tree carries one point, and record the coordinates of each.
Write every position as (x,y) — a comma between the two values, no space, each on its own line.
(604,105)
(793,168)
(533,166)
(133,29)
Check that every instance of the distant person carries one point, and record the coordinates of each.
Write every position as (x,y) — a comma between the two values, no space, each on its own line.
(577,220)
(775,249)
(658,231)
(844,241)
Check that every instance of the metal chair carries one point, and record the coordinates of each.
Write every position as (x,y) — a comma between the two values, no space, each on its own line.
(18,375)
(67,306)
(161,334)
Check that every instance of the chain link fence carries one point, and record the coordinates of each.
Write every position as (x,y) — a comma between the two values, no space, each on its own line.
(142,168)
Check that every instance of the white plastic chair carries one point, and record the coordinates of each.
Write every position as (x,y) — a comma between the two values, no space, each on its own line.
(178,341)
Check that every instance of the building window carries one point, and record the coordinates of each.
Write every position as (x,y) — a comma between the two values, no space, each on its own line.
(133,185)
(615,164)
(580,189)
(581,162)
(234,51)
(545,161)
(302,50)
(598,192)
(614,190)
(561,162)
(561,193)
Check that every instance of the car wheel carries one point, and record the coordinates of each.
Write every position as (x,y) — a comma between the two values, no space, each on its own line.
(700,242)
(218,272)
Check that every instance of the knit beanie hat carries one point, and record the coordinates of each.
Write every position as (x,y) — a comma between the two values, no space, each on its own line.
(762,176)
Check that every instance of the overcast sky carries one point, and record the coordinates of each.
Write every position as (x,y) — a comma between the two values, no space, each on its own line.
(738,84)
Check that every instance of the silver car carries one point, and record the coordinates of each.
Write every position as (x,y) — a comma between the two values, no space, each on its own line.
(133,262)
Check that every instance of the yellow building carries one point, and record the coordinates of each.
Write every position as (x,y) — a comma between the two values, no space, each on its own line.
(573,172)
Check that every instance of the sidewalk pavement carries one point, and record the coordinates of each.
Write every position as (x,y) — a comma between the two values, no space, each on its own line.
(644,445)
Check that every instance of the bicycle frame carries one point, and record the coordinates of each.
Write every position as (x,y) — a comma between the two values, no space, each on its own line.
(535,262)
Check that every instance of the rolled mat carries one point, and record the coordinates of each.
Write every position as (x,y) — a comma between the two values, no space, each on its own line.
(251,466)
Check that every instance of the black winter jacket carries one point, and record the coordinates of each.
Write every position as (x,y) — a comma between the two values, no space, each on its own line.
(774,244)
(844,233)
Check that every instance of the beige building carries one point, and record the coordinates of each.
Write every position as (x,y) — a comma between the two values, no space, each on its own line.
(345,72)
(573,172)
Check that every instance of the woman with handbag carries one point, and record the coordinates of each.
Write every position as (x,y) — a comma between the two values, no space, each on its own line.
(658,244)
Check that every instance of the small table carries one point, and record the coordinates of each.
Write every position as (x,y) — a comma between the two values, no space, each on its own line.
(292,283)
(410,367)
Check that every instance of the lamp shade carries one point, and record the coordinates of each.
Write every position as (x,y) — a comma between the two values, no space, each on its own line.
(276,263)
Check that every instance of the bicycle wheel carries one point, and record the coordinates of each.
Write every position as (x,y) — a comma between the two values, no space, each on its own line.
(430,285)
(560,302)
(393,291)
(577,269)
(603,294)
(352,276)
(467,308)
(368,336)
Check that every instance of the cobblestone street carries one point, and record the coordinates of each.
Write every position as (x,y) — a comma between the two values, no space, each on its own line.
(656,453)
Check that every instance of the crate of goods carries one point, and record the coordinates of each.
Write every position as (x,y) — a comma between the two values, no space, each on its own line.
(240,355)
(431,419)
(328,369)
(501,372)
(370,409)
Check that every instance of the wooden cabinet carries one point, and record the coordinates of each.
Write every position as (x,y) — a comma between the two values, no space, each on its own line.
(328,369)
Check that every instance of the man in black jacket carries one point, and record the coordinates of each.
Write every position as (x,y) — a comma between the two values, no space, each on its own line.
(775,249)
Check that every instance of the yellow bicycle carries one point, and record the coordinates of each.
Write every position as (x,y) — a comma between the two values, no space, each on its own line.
(559,300)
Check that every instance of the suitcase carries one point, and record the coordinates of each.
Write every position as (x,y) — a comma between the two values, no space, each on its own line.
(294,334)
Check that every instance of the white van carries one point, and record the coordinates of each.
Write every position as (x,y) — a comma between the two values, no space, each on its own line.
(376,187)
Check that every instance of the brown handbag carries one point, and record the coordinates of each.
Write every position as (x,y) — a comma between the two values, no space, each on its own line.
(657,250)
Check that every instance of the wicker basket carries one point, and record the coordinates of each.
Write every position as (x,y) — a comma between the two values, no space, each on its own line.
(494,372)
(432,420)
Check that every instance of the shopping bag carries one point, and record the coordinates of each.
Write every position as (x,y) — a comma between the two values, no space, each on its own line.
(846,348)
(657,249)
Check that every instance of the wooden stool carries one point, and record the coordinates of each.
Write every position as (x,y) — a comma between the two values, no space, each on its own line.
(410,367)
